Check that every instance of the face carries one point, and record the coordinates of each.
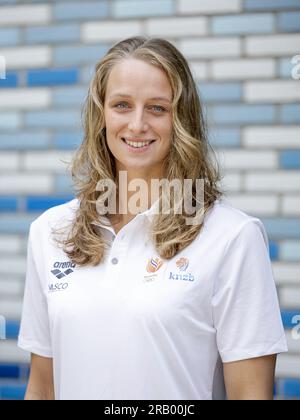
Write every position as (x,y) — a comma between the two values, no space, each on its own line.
(138,110)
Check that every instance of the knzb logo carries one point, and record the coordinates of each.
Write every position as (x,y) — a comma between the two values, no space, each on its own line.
(182,264)
(61,270)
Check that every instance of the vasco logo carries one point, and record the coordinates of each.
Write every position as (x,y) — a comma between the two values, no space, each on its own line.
(59,274)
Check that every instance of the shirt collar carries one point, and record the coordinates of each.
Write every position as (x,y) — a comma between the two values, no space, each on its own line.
(103,221)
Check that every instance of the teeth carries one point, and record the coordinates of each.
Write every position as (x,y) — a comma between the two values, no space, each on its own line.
(139,144)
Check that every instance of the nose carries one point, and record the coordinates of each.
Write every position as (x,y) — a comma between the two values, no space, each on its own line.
(137,122)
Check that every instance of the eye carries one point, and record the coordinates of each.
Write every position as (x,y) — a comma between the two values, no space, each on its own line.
(158,109)
(121,103)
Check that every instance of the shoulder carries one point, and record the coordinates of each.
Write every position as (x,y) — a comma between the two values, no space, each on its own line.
(227,222)
(56,217)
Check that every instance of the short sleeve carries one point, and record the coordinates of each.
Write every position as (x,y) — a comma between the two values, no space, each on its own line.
(245,305)
(34,333)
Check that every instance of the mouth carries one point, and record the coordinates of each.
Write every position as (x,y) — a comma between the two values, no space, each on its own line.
(139,145)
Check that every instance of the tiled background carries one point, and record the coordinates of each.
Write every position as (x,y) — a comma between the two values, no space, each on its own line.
(240,53)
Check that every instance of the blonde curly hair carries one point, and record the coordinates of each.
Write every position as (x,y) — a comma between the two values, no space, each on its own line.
(190,156)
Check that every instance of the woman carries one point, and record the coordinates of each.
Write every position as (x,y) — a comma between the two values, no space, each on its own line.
(127,302)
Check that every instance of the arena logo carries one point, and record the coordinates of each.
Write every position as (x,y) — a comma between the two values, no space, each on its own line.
(60,271)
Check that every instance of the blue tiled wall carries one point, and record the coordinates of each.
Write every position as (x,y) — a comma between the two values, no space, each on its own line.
(61,64)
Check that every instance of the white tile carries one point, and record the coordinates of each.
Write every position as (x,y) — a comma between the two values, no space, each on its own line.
(264,205)
(241,159)
(209,7)
(11,353)
(10,244)
(274,181)
(291,206)
(231,181)
(11,308)
(293,344)
(12,265)
(24,99)
(26,183)
(9,161)
(210,47)
(243,69)
(290,297)
(271,136)
(177,27)
(280,91)
(12,288)
(273,45)
(286,273)
(288,366)
(25,15)
(199,70)
(27,57)
(47,161)
(110,30)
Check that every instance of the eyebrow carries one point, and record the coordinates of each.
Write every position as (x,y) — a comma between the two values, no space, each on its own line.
(157,98)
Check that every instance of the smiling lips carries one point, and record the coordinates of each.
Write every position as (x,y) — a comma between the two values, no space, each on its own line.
(137,143)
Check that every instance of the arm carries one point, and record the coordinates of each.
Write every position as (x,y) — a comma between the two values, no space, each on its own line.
(251,379)
(40,384)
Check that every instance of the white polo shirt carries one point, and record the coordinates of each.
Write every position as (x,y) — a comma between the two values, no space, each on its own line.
(139,327)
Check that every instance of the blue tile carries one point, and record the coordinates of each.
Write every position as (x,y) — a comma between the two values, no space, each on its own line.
(282,228)
(44,203)
(63,184)
(140,8)
(220,92)
(14,224)
(52,119)
(289,318)
(10,121)
(73,55)
(290,114)
(76,10)
(52,77)
(11,81)
(8,204)
(10,37)
(243,114)
(225,137)
(9,371)
(289,388)
(12,329)
(289,22)
(285,68)
(243,24)
(274,251)
(52,34)
(70,96)
(24,141)
(290,159)
(12,391)
(67,140)
(290,251)
(271,4)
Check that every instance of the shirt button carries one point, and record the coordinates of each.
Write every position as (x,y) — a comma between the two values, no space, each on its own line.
(115,261)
